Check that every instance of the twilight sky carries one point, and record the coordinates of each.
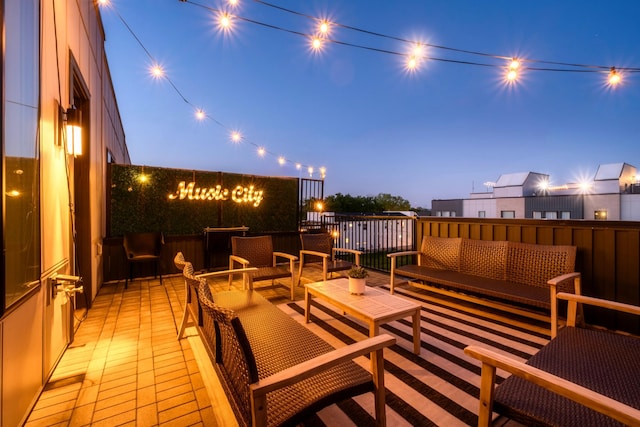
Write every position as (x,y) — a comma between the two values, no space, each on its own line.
(438,132)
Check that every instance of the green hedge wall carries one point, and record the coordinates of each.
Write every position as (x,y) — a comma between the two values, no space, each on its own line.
(139,205)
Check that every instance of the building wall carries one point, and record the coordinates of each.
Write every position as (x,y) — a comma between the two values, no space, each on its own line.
(472,208)
(515,204)
(610,203)
(36,331)
(630,207)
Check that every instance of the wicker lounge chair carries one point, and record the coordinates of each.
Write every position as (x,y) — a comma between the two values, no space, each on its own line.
(582,377)
(258,252)
(317,250)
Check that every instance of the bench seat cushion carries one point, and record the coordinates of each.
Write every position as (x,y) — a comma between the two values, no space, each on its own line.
(499,289)
(279,342)
(603,361)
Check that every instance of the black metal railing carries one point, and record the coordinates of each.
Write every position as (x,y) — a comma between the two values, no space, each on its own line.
(374,235)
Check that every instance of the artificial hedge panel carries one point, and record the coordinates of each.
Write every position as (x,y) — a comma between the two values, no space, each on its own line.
(145,205)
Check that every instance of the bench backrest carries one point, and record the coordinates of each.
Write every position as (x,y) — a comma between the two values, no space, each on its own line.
(535,264)
(524,263)
(233,353)
(484,258)
(441,253)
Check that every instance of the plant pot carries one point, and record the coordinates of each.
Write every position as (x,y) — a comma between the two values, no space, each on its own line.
(356,286)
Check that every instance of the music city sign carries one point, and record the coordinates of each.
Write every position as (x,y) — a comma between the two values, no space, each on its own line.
(239,194)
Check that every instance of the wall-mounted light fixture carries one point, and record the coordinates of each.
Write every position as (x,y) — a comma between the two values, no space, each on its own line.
(73,129)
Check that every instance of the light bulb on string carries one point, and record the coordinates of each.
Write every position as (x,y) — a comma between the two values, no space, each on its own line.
(156,71)
(614,78)
(236,137)
(281,160)
(316,44)
(323,172)
(310,170)
(324,27)
(224,22)
(512,71)
(261,151)
(200,114)
(233,3)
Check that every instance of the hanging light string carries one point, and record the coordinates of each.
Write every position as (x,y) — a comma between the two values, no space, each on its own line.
(614,73)
(590,68)
(236,136)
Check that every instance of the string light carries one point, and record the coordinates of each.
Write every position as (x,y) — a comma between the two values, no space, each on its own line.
(236,136)
(261,151)
(156,71)
(281,160)
(614,77)
(512,70)
(316,44)
(324,27)
(200,114)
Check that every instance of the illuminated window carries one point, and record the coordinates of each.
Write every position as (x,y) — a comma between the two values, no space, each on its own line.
(600,214)
(507,214)
(551,215)
(482,214)
(565,215)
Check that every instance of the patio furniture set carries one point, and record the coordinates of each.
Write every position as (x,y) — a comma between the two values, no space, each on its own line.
(581,374)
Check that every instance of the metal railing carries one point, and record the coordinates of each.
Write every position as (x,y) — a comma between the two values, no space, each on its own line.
(374,235)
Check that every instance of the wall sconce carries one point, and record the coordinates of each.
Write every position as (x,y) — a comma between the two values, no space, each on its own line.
(73,129)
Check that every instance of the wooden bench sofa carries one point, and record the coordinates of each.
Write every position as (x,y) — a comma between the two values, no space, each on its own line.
(582,377)
(273,369)
(504,272)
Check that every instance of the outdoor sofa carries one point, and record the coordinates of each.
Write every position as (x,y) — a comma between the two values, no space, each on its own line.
(525,276)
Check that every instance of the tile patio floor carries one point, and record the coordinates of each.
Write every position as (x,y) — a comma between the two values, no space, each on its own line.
(126,366)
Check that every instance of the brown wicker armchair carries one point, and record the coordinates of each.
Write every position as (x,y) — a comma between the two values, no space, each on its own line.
(317,250)
(258,252)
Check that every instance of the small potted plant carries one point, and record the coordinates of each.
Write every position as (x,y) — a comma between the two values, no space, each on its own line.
(357,280)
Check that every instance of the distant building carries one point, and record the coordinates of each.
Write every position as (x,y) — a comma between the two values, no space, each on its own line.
(613,194)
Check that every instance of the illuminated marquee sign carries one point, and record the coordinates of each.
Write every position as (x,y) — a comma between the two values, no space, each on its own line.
(239,194)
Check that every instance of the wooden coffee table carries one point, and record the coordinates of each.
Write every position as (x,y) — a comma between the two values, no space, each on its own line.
(374,306)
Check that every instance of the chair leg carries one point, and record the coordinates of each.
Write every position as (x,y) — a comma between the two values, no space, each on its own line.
(130,277)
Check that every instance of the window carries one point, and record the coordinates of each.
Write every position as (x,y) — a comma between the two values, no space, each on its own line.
(20,160)
(600,214)
(565,215)
(507,214)
(482,214)
(551,215)
(537,215)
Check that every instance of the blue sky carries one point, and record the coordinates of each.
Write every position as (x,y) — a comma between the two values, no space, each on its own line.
(437,133)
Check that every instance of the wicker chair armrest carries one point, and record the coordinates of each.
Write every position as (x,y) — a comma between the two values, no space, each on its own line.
(259,390)
(238,259)
(582,395)
(555,284)
(351,251)
(355,252)
(285,255)
(569,277)
(226,272)
(599,302)
(393,255)
(314,253)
